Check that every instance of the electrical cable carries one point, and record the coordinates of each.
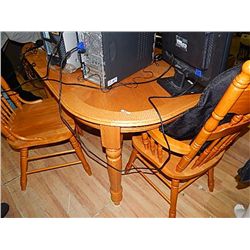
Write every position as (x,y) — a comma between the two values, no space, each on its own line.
(37,44)
(86,150)
(7,182)
(119,84)
(155,108)
(61,83)
(55,50)
(47,66)
(87,86)
(161,122)
(90,154)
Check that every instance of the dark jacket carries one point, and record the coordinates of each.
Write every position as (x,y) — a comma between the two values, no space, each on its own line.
(190,123)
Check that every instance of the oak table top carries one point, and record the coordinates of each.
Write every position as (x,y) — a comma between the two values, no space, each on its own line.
(121,109)
(123,106)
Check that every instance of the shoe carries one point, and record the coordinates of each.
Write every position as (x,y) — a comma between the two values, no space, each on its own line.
(241,212)
(4,209)
(29,97)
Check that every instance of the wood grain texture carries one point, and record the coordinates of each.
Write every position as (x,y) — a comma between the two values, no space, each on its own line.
(37,124)
(122,106)
(121,110)
(69,192)
(188,164)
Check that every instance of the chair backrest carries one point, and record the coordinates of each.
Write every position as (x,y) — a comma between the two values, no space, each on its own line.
(236,100)
(9,104)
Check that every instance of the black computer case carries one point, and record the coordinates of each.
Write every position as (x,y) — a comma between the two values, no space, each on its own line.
(112,56)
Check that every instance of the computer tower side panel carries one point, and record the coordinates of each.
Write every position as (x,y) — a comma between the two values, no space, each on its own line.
(70,42)
(125,53)
(57,44)
(112,56)
(92,59)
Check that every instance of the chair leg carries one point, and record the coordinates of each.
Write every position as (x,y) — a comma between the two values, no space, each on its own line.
(173,198)
(131,160)
(78,129)
(75,144)
(210,173)
(24,166)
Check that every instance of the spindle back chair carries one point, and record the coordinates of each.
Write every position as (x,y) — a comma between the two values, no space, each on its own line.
(26,126)
(187,163)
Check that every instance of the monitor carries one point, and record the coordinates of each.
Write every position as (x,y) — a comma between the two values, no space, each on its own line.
(197,58)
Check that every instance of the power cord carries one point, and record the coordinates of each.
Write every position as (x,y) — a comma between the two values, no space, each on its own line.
(47,66)
(88,152)
(161,122)
(143,82)
(80,49)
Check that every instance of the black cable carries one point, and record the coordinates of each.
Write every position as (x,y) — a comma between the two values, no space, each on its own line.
(73,84)
(61,83)
(138,170)
(37,45)
(7,182)
(128,85)
(161,122)
(159,115)
(84,147)
(55,50)
(119,84)
(162,127)
(90,154)
(44,78)
(87,151)
(47,66)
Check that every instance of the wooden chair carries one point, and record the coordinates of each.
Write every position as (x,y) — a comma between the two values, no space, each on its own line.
(34,125)
(186,163)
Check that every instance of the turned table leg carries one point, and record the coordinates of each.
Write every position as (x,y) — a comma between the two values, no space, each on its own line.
(111,141)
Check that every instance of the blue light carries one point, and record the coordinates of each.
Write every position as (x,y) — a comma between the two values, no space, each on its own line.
(81,47)
(198,73)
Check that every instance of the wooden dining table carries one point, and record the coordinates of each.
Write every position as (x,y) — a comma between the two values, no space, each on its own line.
(124,108)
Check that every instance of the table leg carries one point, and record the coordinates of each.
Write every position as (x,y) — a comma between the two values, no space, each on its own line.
(111,141)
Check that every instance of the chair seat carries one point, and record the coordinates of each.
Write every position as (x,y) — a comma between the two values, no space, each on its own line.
(33,129)
(30,125)
(169,169)
(185,162)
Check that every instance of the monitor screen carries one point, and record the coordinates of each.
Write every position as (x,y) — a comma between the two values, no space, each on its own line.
(197,58)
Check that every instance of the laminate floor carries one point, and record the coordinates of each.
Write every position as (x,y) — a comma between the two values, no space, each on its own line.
(70,192)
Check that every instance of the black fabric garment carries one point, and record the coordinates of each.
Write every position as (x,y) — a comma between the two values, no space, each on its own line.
(190,123)
(4,209)
(244,172)
(9,75)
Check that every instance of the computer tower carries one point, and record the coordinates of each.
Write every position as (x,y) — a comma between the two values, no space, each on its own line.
(57,44)
(112,56)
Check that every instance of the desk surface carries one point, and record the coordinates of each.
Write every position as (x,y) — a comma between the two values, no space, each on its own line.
(121,110)
(124,106)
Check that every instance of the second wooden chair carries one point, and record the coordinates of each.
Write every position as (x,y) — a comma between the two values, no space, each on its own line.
(28,126)
(186,163)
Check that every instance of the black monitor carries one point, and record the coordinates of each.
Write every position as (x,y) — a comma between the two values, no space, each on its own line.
(197,58)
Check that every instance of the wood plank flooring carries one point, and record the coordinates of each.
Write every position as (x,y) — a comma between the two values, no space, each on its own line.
(69,192)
